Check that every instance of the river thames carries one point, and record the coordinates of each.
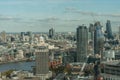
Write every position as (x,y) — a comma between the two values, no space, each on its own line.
(17,65)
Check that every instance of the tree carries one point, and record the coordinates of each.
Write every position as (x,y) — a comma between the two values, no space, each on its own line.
(67,69)
(7,73)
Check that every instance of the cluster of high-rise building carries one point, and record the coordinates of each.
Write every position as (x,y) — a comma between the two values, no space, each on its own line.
(104,47)
(97,37)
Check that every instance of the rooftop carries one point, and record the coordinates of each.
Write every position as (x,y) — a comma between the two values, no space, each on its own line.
(115,62)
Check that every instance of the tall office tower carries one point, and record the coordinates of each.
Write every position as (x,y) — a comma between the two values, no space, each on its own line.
(51,33)
(108,30)
(22,35)
(3,36)
(82,43)
(119,32)
(98,38)
(91,30)
(42,68)
(119,29)
(29,33)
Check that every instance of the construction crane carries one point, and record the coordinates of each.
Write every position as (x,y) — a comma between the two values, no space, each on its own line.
(82,69)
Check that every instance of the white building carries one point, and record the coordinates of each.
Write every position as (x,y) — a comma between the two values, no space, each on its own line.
(20,54)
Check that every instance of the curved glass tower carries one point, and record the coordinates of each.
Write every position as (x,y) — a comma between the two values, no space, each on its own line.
(109,30)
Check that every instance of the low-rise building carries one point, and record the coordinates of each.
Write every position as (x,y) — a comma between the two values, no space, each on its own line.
(111,70)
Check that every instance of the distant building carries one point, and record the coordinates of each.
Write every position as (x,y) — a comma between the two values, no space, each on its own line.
(82,43)
(119,32)
(27,36)
(109,30)
(51,33)
(22,34)
(3,36)
(29,33)
(98,38)
(91,30)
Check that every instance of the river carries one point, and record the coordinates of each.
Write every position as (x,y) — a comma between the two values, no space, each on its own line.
(17,65)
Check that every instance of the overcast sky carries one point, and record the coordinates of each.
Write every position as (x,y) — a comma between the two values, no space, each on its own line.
(63,15)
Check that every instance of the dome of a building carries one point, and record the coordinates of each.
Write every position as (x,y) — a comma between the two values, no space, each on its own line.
(41,38)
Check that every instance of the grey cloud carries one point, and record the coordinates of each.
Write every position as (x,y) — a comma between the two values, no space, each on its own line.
(54,19)
(72,20)
(6,18)
(70,9)
(60,20)
(74,10)
(51,19)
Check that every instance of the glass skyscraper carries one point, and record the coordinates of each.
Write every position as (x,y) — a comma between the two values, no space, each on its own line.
(51,33)
(82,43)
(98,38)
(109,30)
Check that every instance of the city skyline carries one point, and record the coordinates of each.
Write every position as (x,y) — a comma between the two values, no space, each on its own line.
(63,15)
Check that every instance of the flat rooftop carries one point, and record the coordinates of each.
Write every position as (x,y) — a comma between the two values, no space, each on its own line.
(115,62)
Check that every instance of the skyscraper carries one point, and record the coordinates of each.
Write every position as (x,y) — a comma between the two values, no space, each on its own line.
(98,38)
(109,30)
(91,30)
(119,29)
(42,60)
(119,32)
(42,68)
(22,35)
(29,33)
(3,36)
(51,33)
(82,43)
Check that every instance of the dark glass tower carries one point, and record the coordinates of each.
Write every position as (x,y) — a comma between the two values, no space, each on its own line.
(98,38)
(119,32)
(51,33)
(108,30)
(29,33)
(82,43)
(91,30)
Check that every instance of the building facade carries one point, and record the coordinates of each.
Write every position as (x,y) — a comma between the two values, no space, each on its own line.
(82,43)
(42,59)
(98,38)
(109,30)
(51,33)
(111,70)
